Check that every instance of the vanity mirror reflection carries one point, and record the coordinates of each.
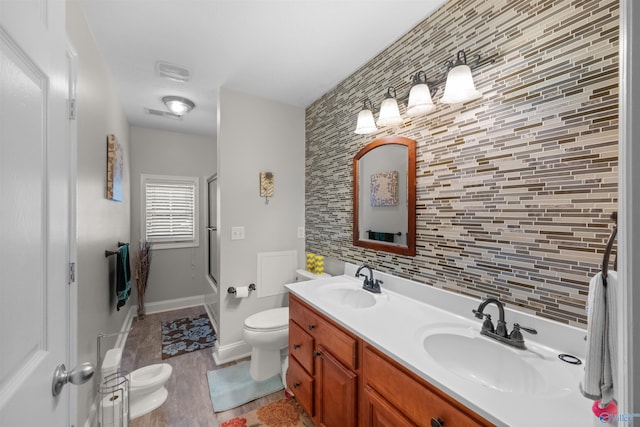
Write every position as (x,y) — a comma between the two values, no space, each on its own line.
(384,196)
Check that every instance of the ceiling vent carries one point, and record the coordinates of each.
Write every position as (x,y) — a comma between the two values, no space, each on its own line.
(167,114)
(173,72)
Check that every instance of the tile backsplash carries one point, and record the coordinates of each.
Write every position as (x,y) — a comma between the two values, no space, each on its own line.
(514,190)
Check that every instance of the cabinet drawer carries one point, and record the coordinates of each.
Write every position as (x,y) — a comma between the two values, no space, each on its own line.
(342,345)
(412,396)
(301,346)
(301,384)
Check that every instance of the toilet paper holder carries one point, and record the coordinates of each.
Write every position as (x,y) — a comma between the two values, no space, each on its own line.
(232,290)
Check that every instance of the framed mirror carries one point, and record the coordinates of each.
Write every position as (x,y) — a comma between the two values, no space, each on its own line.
(384,196)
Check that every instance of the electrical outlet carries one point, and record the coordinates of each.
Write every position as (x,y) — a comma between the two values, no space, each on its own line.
(237,233)
(300,232)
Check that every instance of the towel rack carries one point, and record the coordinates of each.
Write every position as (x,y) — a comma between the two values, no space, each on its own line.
(607,251)
(108,253)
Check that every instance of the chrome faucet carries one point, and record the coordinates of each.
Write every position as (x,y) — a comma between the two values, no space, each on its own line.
(369,283)
(500,333)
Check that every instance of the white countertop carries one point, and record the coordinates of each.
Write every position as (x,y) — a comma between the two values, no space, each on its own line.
(398,323)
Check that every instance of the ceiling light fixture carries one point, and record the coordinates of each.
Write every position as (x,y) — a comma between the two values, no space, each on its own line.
(459,88)
(178,105)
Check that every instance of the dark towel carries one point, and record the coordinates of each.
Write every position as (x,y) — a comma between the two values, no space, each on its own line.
(378,235)
(123,287)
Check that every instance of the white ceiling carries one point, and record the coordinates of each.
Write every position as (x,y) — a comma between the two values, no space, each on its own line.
(291,51)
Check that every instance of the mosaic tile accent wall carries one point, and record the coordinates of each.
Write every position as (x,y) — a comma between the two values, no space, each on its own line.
(514,190)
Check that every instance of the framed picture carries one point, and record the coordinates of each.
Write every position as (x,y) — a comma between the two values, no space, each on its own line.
(384,189)
(115,163)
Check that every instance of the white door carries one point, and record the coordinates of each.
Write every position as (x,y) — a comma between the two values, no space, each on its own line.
(34,212)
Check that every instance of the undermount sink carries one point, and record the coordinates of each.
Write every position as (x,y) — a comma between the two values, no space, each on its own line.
(349,294)
(491,364)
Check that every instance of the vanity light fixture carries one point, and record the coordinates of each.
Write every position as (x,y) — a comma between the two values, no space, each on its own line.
(460,86)
(178,105)
(420,102)
(366,124)
(389,112)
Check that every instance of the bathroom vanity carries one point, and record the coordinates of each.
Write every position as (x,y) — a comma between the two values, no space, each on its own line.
(410,356)
(329,368)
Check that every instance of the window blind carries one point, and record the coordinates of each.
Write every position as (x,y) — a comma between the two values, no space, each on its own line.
(170,211)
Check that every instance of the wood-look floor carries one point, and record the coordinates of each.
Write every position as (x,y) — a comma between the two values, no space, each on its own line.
(188,404)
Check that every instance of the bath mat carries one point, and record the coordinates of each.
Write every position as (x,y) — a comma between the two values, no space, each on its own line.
(186,335)
(283,413)
(233,386)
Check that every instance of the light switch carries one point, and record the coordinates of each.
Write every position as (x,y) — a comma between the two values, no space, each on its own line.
(300,232)
(237,233)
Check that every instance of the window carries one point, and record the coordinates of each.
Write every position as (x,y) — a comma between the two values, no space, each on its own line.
(170,211)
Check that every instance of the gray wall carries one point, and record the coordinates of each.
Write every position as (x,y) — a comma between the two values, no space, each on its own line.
(175,273)
(256,135)
(514,190)
(101,222)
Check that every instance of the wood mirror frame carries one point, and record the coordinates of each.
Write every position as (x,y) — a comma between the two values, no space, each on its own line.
(410,248)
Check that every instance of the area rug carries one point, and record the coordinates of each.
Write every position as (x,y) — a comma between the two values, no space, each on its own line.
(186,335)
(233,386)
(283,413)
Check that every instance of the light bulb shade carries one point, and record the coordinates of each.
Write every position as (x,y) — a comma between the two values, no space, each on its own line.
(389,113)
(420,102)
(460,87)
(365,124)
(178,105)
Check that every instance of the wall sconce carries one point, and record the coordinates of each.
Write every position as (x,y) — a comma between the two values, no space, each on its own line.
(459,88)
(266,185)
(389,112)
(178,105)
(365,123)
(420,102)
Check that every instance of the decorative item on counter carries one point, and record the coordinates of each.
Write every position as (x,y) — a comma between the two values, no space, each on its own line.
(266,185)
(142,264)
(319,264)
(311,262)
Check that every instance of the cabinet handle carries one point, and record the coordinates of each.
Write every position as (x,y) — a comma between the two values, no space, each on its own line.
(439,422)
(317,354)
(296,346)
(311,327)
(296,385)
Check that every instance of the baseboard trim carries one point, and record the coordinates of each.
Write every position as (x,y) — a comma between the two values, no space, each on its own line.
(173,304)
(229,353)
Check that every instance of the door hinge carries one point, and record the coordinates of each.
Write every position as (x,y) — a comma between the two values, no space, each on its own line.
(72,272)
(72,109)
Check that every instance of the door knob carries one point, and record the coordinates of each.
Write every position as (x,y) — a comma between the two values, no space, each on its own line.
(78,375)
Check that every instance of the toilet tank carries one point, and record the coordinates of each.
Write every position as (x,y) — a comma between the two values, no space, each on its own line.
(304,275)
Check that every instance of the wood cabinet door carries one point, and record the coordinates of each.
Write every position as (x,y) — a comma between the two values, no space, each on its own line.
(380,413)
(336,392)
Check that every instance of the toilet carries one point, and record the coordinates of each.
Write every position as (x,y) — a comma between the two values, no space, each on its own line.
(146,385)
(267,332)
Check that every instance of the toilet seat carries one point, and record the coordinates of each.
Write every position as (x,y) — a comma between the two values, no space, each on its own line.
(276,319)
(150,376)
